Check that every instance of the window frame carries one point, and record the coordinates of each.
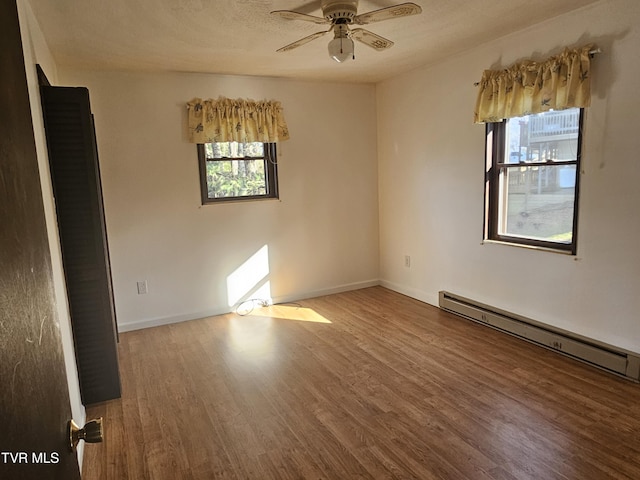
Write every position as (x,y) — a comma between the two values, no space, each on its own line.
(270,170)
(495,150)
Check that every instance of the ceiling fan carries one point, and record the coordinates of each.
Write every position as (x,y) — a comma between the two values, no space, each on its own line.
(339,14)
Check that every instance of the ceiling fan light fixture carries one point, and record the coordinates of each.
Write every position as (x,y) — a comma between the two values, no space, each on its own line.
(341,48)
(342,13)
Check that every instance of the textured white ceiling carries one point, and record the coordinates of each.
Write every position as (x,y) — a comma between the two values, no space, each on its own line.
(240,37)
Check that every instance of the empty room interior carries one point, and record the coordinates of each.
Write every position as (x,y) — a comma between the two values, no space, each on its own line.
(336,245)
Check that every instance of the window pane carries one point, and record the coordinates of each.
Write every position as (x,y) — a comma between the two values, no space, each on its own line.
(235,178)
(538,202)
(234,150)
(544,137)
(242,171)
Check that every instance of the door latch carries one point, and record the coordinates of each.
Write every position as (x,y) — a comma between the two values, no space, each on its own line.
(90,433)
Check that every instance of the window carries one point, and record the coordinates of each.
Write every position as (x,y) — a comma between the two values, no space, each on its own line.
(533,165)
(237,171)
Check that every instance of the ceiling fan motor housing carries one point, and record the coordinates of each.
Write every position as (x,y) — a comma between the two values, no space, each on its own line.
(340,12)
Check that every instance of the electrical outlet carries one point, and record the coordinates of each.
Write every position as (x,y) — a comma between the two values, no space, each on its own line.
(142,287)
(407,261)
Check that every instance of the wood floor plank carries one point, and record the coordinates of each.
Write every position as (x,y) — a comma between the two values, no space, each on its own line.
(368,384)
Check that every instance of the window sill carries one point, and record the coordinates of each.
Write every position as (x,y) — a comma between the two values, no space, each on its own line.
(530,247)
(240,200)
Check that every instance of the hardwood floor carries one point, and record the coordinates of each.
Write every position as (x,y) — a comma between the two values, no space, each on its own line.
(371,385)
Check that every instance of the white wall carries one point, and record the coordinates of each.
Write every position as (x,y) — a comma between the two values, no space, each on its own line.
(431,184)
(321,236)
(36,51)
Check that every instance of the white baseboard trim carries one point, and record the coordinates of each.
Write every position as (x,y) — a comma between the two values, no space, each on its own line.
(157,322)
(327,291)
(431,299)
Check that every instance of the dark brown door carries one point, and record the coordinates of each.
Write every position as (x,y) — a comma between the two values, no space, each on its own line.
(34,398)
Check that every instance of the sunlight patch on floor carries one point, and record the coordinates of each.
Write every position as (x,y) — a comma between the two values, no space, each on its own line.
(289,312)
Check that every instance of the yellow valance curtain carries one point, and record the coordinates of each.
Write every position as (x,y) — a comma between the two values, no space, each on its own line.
(236,120)
(528,87)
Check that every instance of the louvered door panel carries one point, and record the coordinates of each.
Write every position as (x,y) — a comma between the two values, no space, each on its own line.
(78,195)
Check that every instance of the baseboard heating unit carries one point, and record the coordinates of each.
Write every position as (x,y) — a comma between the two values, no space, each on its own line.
(596,353)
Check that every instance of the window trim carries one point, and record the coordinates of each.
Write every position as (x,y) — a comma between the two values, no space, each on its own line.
(270,171)
(495,136)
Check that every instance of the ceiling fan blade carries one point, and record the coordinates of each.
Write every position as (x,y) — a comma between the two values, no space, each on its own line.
(400,10)
(302,41)
(291,15)
(371,39)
